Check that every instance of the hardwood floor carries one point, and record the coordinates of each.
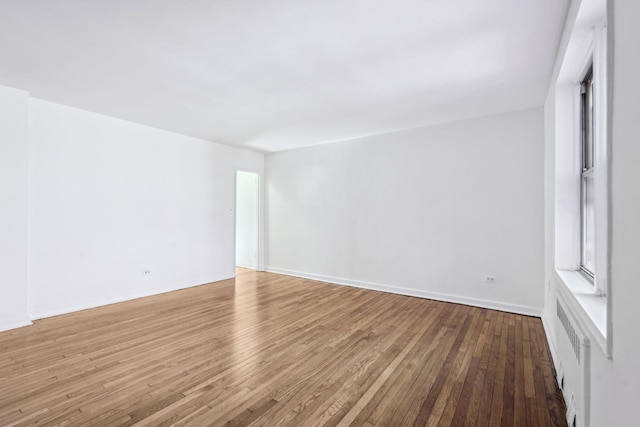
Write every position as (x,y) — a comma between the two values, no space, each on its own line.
(269,350)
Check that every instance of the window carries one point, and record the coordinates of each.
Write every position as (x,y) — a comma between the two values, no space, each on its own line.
(587,207)
(581,143)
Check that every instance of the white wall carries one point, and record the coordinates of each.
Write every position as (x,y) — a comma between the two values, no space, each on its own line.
(618,394)
(425,212)
(14,133)
(110,199)
(247,204)
(615,383)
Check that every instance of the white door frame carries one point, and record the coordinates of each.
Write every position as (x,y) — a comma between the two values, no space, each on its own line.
(260,216)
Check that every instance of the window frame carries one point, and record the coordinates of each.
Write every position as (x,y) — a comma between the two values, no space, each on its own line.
(587,172)
(587,297)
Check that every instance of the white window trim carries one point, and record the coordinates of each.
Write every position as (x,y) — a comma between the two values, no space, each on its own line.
(588,300)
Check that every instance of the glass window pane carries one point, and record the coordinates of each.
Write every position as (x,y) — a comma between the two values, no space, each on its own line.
(588,224)
(587,121)
(589,130)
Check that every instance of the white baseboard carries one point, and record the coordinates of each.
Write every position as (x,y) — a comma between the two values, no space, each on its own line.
(14,323)
(249,266)
(84,305)
(493,305)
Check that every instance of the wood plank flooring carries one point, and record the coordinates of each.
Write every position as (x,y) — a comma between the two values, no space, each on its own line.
(271,350)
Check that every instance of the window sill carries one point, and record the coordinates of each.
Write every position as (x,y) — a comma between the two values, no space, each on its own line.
(588,307)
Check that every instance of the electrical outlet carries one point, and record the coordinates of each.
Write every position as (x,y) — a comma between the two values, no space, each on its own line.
(147,271)
(489,279)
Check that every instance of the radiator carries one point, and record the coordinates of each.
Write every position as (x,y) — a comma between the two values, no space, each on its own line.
(574,371)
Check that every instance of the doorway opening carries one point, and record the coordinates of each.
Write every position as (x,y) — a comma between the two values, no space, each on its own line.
(247,219)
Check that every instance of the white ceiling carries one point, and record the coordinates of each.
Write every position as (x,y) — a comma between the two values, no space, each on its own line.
(280,74)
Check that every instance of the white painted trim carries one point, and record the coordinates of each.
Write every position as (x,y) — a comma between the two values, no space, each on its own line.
(251,267)
(14,324)
(94,303)
(492,305)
